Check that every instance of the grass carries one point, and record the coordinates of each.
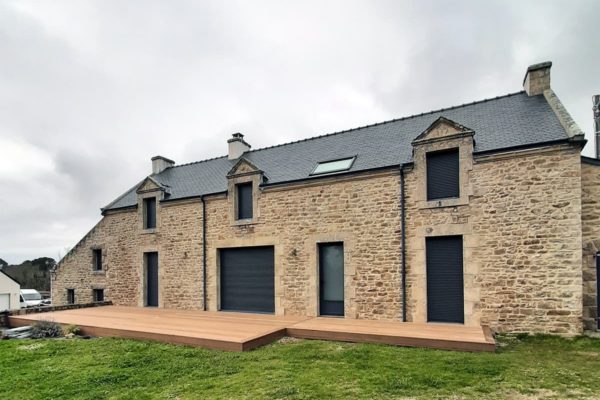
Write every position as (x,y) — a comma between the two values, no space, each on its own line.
(523,368)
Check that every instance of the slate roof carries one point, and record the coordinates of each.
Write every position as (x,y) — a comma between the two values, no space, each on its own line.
(499,123)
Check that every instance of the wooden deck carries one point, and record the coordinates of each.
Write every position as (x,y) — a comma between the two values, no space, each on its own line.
(241,331)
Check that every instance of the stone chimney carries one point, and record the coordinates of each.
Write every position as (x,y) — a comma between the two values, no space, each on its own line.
(537,78)
(237,146)
(160,163)
(596,109)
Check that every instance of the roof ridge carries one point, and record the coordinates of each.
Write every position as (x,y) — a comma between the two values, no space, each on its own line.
(362,127)
(195,162)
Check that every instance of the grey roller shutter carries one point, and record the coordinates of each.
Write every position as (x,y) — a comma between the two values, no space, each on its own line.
(152,279)
(443,175)
(150,206)
(445,292)
(244,194)
(248,279)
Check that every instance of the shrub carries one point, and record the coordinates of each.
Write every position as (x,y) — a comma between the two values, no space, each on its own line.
(46,329)
(71,330)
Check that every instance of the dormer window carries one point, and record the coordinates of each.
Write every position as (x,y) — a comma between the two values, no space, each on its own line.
(150,213)
(326,167)
(244,200)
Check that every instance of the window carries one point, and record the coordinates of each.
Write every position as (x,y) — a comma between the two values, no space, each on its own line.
(443,175)
(150,213)
(70,296)
(97,259)
(244,200)
(98,295)
(333,166)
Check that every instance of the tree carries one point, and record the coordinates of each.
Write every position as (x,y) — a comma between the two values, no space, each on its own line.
(3,263)
(46,262)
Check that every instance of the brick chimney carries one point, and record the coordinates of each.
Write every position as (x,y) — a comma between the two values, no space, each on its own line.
(160,163)
(537,78)
(237,146)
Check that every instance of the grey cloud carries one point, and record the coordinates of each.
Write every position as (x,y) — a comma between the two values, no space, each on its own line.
(98,87)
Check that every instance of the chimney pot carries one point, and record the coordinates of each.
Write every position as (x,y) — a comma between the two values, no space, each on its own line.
(237,146)
(160,163)
(537,78)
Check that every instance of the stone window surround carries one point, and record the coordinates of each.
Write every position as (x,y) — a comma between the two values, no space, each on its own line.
(470,271)
(464,143)
(255,177)
(311,248)
(141,261)
(142,215)
(97,287)
(214,268)
(67,295)
(92,262)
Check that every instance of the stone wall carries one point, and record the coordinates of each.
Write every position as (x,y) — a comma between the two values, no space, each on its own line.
(521,235)
(519,214)
(177,239)
(526,218)
(590,217)
(363,213)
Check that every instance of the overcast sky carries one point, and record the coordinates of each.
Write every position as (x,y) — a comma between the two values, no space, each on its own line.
(91,90)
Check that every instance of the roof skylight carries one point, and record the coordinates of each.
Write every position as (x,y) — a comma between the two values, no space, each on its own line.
(326,167)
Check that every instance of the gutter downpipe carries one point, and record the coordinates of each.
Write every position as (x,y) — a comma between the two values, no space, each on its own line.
(403,227)
(203,252)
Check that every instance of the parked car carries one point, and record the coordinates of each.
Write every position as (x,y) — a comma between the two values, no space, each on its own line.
(32,298)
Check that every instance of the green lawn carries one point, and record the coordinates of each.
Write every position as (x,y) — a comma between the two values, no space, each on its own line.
(527,368)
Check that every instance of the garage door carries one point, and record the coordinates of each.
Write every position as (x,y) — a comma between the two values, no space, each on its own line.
(248,279)
(4,302)
(445,292)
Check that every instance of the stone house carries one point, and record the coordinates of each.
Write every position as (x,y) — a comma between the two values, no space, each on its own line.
(484,213)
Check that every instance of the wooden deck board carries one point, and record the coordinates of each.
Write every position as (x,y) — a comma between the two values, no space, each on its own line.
(439,336)
(241,331)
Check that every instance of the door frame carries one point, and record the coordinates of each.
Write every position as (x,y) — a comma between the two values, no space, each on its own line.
(324,243)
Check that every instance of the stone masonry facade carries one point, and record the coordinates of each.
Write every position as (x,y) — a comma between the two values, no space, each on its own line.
(590,217)
(520,215)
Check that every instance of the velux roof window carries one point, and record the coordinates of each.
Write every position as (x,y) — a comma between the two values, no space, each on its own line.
(325,167)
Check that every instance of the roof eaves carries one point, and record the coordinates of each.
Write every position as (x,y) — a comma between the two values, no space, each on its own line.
(109,205)
(590,160)
(312,178)
(523,146)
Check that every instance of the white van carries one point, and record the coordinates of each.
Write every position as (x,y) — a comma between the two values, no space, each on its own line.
(31,298)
